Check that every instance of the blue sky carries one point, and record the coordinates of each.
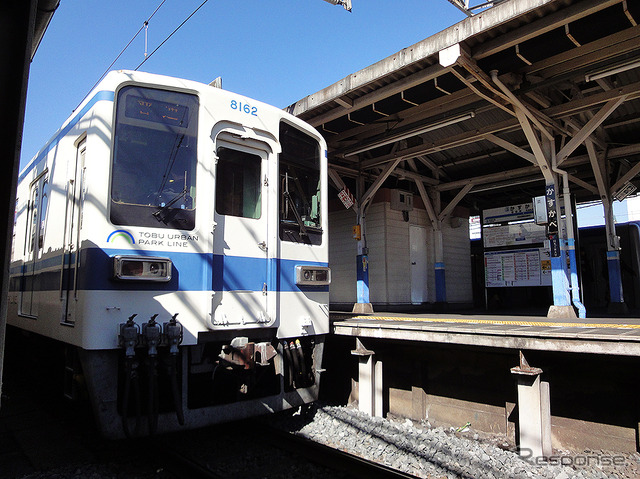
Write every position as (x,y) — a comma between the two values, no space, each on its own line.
(276,51)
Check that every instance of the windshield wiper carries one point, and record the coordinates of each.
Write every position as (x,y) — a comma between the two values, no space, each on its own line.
(289,200)
(160,214)
(303,228)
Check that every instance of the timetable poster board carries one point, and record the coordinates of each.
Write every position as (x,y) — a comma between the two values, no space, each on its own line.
(517,268)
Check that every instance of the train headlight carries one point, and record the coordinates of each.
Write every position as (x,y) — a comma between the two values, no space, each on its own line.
(313,275)
(141,268)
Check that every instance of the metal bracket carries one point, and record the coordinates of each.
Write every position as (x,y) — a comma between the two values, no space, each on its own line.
(361,350)
(524,368)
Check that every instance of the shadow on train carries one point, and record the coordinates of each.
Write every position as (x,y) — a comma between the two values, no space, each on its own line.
(593,274)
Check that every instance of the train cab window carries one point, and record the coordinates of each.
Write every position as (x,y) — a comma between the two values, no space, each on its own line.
(153,177)
(238,186)
(299,176)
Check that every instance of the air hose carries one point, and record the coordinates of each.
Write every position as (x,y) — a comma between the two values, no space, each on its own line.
(305,373)
(129,337)
(289,361)
(173,333)
(131,378)
(152,334)
(296,364)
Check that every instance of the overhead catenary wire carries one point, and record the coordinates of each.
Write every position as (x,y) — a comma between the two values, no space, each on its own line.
(144,25)
(171,34)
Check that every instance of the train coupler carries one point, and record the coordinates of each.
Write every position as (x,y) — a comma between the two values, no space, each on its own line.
(245,354)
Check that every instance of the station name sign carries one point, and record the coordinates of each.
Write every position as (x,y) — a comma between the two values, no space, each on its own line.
(505,214)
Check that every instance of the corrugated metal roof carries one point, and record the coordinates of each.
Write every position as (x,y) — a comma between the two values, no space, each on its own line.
(542,50)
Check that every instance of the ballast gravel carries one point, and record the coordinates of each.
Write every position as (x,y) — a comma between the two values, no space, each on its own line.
(415,448)
(436,452)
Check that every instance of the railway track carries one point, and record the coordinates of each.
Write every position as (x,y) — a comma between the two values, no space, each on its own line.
(353,466)
(47,437)
(330,463)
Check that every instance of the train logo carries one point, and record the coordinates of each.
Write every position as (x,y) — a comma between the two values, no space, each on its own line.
(121,234)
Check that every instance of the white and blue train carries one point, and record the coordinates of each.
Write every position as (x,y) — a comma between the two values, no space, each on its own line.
(173,237)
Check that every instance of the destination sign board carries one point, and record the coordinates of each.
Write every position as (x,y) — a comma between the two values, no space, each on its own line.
(157,111)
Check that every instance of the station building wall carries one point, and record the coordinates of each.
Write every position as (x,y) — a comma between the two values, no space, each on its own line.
(387,233)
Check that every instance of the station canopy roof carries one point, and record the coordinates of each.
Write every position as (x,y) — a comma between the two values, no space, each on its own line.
(474,112)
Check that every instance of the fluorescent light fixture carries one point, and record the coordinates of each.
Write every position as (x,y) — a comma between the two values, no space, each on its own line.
(623,67)
(410,133)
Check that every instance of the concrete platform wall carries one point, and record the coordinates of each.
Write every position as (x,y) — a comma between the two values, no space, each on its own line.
(593,400)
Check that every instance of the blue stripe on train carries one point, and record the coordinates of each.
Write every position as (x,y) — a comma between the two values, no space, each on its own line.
(191,272)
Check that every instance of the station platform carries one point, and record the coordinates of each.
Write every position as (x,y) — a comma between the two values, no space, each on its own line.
(610,336)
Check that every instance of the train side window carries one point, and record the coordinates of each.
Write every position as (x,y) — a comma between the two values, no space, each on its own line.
(15,225)
(44,202)
(238,186)
(33,215)
(299,199)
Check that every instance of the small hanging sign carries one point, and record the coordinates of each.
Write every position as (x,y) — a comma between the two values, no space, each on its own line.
(346,197)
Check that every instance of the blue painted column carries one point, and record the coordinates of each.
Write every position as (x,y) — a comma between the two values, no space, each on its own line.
(363,303)
(573,263)
(441,285)
(615,276)
(559,279)
(362,273)
(571,245)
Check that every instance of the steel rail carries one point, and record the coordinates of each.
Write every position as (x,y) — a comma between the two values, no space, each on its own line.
(330,457)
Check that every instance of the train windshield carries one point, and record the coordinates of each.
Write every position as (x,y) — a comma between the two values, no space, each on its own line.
(299,170)
(153,179)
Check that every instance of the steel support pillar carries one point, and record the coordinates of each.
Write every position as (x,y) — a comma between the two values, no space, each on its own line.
(363,304)
(573,262)
(369,380)
(362,287)
(615,276)
(534,411)
(561,307)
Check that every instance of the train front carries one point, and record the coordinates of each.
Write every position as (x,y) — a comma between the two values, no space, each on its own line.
(216,244)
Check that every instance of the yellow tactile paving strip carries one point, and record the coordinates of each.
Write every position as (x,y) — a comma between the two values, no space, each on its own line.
(499,322)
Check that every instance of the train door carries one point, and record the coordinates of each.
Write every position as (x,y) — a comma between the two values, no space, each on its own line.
(71,241)
(418,258)
(36,214)
(241,239)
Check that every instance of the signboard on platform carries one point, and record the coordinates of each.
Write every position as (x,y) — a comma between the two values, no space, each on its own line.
(513,235)
(514,268)
(505,214)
